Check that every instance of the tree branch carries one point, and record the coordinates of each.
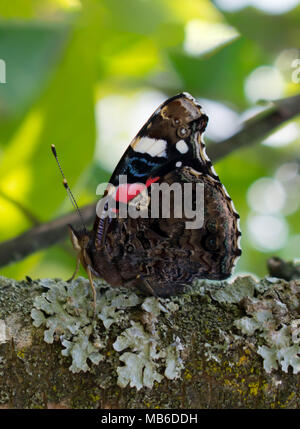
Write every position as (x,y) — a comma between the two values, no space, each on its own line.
(26,212)
(218,345)
(42,236)
(258,127)
(253,130)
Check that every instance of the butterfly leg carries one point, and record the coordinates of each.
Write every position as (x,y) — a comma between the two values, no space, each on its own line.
(89,273)
(76,270)
(150,290)
(147,285)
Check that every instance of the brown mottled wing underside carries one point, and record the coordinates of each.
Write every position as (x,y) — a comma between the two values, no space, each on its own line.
(167,255)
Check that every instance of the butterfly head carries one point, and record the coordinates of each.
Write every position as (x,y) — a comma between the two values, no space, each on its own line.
(80,240)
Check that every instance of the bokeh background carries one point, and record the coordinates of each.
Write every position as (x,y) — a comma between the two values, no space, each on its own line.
(85,75)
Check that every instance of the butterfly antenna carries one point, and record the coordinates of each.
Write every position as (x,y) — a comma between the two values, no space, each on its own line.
(67,187)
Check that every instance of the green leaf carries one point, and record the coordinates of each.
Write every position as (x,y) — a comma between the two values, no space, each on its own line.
(219,74)
(63,116)
(272,32)
(29,52)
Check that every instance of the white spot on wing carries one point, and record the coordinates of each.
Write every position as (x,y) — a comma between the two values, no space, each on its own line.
(190,97)
(237,221)
(234,264)
(239,242)
(151,146)
(178,164)
(227,195)
(232,205)
(182,147)
(214,172)
(204,153)
(235,261)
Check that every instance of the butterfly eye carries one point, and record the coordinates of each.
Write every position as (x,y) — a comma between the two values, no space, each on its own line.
(183,132)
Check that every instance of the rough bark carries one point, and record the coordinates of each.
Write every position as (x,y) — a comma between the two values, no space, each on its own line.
(207,326)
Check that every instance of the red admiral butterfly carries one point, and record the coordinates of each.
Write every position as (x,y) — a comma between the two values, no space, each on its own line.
(160,254)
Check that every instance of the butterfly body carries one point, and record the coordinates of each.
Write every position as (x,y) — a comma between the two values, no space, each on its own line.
(160,254)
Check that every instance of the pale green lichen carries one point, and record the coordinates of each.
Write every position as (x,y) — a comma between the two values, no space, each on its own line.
(274,316)
(174,363)
(149,351)
(272,308)
(217,350)
(75,350)
(232,293)
(147,355)
(153,306)
(140,366)
(66,312)
(3,336)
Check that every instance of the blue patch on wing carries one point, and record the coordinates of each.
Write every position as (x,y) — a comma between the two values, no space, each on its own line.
(140,167)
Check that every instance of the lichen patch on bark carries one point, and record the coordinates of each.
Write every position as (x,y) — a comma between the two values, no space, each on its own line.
(216,332)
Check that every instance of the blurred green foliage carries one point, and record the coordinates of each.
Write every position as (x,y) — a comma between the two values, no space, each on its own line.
(63,56)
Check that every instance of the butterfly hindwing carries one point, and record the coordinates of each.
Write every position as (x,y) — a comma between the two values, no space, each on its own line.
(165,253)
